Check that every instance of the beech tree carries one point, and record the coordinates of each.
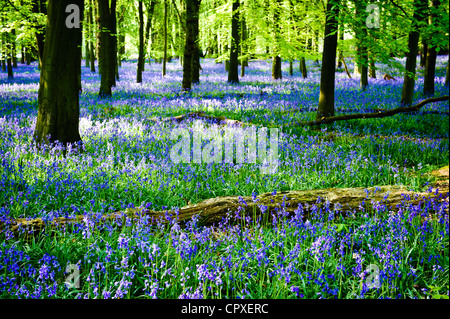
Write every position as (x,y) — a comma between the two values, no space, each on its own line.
(233,75)
(58,96)
(327,74)
(107,45)
(420,7)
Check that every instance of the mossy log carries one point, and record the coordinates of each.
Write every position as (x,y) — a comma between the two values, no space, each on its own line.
(212,211)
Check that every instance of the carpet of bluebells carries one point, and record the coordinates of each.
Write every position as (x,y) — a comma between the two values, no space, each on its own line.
(126,164)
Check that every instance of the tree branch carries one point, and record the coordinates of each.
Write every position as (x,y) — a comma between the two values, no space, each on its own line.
(413,108)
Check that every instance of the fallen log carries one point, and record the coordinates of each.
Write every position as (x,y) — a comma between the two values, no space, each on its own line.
(199,115)
(380,114)
(235,208)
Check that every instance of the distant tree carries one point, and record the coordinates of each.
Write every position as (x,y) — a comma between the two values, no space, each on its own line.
(189,45)
(196,53)
(233,75)
(58,96)
(430,61)
(420,8)
(327,74)
(276,59)
(107,45)
(140,62)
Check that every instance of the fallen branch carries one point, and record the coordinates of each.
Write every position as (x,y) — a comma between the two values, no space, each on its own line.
(380,114)
(212,211)
(201,115)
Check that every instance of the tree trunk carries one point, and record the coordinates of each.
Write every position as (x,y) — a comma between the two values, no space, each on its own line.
(9,60)
(446,75)
(264,207)
(140,64)
(372,69)
(341,40)
(233,75)
(413,41)
(165,39)
(327,74)
(13,48)
(148,27)
(58,96)
(38,6)
(303,69)
(91,32)
(189,46)
(22,60)
(423,53)
(430,63)
(196,53)
(87,53)
(106,58)
(276,60)
(244,61)
(362,55)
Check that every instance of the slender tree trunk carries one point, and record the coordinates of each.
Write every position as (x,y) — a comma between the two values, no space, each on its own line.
(430,63)
(196,53)
(91,32)
(165,39)
(189,46)
(9,60)
(327,74)
(107,61)
(58,112)
(112,52)
(233,76)
(38,6)
(148,28)
(244,60)
(87,53)
(341,40)
(22,51)
(13,48)
(140,64)
(276,60)
(372,68)
(410,66)
(446,76)
(291,68)
(362,55)
(423,53)
(303,69)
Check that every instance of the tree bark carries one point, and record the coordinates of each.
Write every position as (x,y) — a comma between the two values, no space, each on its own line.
(196,54)
(58,96)
(372,69)
(148,27)
(327,74)
(430,63)
(91,32)
(140,64)
(446,75)
(423,53)
(106,46)
(165,39)
(276,60)
(233,75)
(380,114)
(13,48)
(264,208)
(189,46)
(303,69)
(413,41)
(38,6)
